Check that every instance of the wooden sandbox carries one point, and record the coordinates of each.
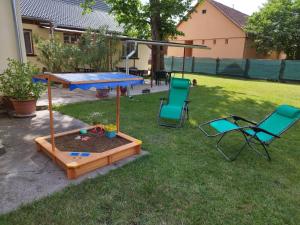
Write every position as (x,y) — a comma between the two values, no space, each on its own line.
(77,165)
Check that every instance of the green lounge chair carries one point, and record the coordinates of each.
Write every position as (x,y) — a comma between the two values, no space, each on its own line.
(263,133)
(175,108)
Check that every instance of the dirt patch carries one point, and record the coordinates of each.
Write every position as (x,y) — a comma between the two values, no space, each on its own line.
(92,143)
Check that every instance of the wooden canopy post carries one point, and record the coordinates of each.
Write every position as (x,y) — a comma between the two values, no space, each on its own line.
(118,109)
(51,113)
(183,63)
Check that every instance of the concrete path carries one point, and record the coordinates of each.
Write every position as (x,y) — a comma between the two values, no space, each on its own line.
(25,174)
(65,96)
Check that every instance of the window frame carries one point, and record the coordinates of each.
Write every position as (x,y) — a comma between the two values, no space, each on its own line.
(226,41)
(215,41)
(70,35)
(204,11)
(31,42)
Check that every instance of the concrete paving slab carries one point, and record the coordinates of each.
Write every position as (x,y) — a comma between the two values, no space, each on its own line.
(27,175)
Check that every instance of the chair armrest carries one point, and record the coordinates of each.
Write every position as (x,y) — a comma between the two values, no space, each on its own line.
(236,118)
(257,129)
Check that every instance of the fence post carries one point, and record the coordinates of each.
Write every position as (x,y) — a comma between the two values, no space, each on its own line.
(217,66)
(281,71)
(247,67)
(193,64)
(172,63)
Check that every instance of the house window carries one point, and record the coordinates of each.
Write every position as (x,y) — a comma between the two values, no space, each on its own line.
(70,38)
(28,42)
(215,41)
(226,41)
(204,11)
(130,48)
(203,42)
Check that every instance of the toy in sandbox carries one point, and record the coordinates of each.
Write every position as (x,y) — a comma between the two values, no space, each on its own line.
(83,150)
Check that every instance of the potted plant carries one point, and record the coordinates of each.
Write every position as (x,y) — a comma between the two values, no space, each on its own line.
(17,85)
(123,91)
(194,82)
(110,131)
(103,93)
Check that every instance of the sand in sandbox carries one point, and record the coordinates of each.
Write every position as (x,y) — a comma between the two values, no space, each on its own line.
(94,144)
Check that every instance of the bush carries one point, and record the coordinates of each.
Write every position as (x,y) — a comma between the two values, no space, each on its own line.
(16,82)
(94,50)
(53,54)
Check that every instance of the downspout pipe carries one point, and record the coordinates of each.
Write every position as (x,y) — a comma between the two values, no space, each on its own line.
(17,29)
(130,55)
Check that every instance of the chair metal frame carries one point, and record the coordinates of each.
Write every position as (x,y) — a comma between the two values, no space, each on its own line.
(184,111)
(250,140)
(183,116)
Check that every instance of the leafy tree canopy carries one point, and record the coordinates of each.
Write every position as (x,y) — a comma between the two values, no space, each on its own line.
(138,17)
(277,27)
(153,19)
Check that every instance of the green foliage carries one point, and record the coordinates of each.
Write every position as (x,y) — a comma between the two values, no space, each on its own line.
(97,49)
(277,27)
(138,17)
(87,6)
(154,19)
(54,54)
(94,49)
(16,82)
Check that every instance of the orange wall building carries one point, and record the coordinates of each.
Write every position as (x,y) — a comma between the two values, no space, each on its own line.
(220,28)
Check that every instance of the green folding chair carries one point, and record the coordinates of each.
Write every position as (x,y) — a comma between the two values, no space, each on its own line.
(174,111)
(263,133)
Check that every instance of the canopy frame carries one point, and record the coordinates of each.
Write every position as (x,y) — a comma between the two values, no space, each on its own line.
(53,78)
(160,43)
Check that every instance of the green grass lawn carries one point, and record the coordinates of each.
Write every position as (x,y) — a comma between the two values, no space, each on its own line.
(185,180)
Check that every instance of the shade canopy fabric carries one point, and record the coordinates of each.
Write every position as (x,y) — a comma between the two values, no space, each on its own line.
(86,81)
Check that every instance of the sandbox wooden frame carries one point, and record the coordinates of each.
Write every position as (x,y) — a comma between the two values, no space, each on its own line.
(75,166)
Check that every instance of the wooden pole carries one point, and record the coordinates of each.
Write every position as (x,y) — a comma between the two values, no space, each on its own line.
(183,63)
(118,109)
(51,114)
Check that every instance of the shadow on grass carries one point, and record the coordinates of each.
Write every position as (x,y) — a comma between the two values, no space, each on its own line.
(184,180)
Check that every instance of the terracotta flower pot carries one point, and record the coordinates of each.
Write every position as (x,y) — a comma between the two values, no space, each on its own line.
(123,91)
(24,108)
(7,104)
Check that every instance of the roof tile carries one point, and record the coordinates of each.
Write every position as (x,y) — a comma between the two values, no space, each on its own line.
(234,15)
(68,14)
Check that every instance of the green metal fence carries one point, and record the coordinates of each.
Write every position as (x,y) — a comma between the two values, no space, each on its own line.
(232,67)
(248,68)
(205,65)
(292,70)
(264,69)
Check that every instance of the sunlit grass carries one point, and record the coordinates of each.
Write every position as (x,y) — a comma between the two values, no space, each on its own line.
(184,180)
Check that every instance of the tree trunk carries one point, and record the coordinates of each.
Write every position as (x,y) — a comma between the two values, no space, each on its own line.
(297,54)
(157,54)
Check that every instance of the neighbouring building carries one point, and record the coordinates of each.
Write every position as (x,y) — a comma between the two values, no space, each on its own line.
(11,33)
(62,18)
(220,28)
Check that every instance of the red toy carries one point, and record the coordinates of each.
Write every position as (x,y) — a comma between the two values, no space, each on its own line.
(99,131)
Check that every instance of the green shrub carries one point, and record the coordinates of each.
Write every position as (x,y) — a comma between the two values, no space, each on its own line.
(16,82)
